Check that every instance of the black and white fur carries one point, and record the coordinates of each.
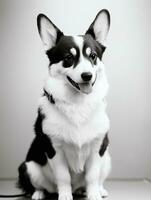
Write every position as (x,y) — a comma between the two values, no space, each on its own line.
(70,149)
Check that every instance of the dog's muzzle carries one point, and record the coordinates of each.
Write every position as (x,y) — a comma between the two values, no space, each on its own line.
(85,87)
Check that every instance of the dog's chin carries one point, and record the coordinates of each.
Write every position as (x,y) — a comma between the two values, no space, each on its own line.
(85,88)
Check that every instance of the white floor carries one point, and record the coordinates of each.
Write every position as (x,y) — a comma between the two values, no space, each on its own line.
(129,190)
(118,190)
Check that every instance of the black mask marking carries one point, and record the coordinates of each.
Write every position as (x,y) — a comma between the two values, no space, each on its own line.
(95,47)
(61,52)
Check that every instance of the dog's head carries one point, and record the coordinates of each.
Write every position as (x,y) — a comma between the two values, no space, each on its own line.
(75,59)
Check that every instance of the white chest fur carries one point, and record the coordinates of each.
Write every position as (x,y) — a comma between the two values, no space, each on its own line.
(76,157)
(78,126)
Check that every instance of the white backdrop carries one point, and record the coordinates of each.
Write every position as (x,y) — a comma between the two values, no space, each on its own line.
(23,67)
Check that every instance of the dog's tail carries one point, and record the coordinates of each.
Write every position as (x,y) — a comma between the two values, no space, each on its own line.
(24,182)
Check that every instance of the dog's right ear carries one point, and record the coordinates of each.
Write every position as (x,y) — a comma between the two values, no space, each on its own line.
(49,33)
(100,26)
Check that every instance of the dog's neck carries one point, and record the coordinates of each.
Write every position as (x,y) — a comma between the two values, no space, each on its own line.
(74,105)
(60,90)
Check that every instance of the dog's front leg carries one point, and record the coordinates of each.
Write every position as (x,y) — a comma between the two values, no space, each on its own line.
(62,176)
(93,166)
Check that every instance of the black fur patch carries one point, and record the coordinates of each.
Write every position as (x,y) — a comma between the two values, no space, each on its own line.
(104,145)
(90,31)
(24,180)
(38,123)
(61,52)
(49,97)
(94,46)
(41,145)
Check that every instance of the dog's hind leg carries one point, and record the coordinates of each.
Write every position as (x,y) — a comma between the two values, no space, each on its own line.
(32,174)
(40,179)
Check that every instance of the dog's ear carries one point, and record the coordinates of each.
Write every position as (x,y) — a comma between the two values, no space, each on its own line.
(100,26)
(49,33)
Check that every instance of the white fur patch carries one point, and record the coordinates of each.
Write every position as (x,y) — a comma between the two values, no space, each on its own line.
(38,194)
(79,42)
(88,51)
(40,177)
(73,51)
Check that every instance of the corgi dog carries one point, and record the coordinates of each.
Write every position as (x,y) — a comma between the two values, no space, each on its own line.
(70,148)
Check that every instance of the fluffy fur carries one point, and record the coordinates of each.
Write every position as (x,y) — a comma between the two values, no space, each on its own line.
(70,149)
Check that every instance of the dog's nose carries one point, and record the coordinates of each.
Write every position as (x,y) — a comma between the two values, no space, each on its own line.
(86,76)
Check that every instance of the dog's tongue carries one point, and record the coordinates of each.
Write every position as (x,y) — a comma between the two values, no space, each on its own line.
(85,87)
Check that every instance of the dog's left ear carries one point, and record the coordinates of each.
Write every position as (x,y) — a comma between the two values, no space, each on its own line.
(49,33)
(100,26)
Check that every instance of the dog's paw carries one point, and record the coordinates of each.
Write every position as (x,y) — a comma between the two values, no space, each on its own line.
(38,194)
(65,196)
(104,193)
(94,196)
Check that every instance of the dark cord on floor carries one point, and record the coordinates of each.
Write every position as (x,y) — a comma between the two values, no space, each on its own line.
(12,196)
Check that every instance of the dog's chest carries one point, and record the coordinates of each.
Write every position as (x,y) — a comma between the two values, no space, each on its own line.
(76,157)
(73,126)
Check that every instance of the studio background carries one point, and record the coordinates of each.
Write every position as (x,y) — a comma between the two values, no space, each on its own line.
(23,67)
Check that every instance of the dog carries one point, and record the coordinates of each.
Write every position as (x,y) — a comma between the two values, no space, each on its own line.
(70,148)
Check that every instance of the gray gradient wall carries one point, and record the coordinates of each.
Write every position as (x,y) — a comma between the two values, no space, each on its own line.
(23,67)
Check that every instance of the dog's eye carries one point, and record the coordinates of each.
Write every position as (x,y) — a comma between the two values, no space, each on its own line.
(68,57)
(68,60)
(93,56)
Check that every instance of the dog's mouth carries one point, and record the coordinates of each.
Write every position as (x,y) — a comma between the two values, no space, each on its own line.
(85,87)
